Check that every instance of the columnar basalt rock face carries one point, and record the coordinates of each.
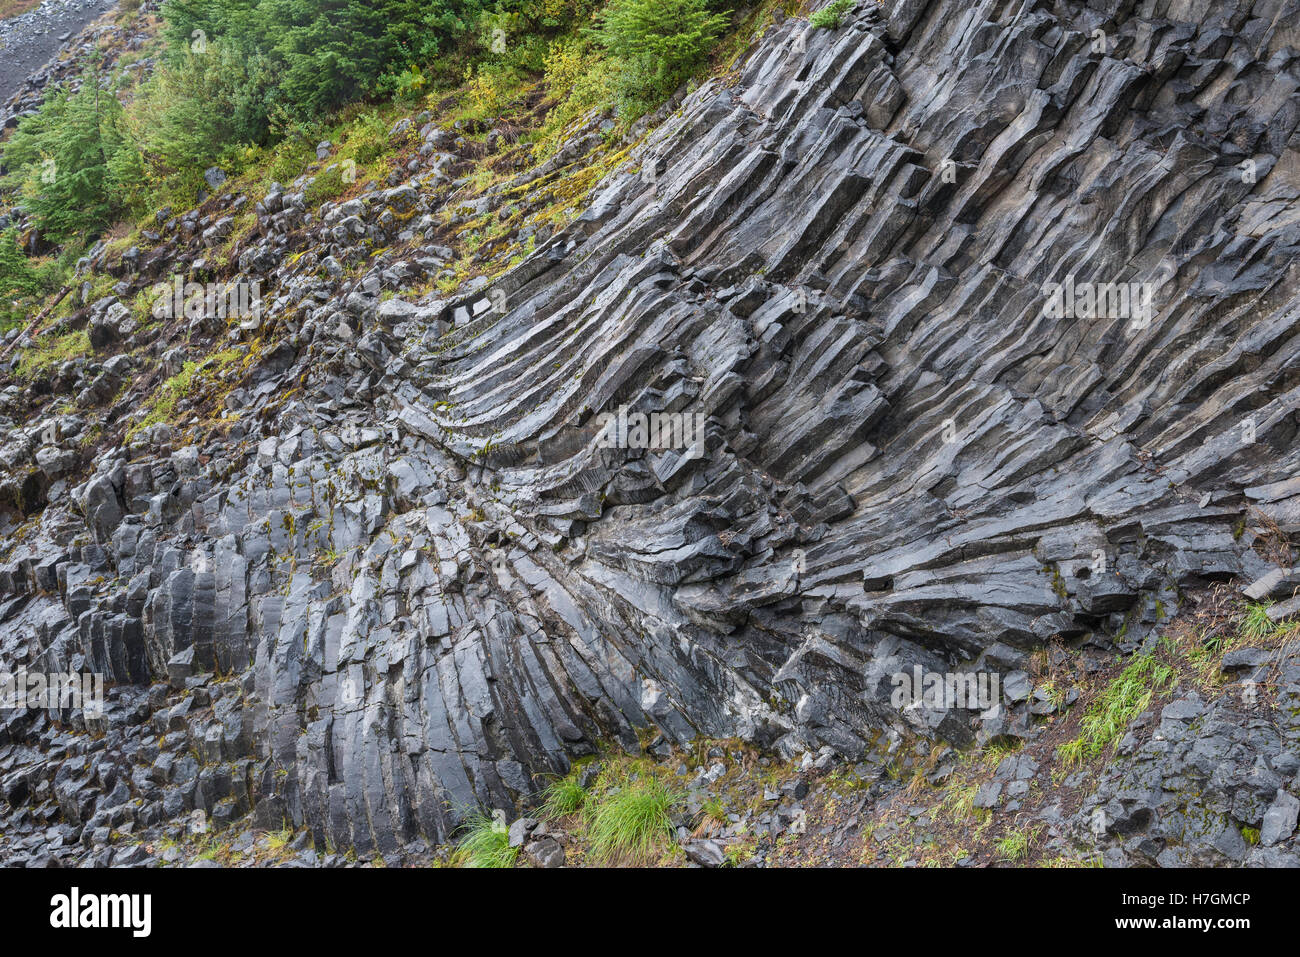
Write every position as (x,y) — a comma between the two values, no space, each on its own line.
(422,578)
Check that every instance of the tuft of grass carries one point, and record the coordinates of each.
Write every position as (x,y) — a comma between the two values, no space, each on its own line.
(830,16)
(1015,846)
(278,840)
(1000,748)
(486,844)
(741,851)
(715,810)
(1255,624)
(1205,655)
(562,797)
(958,802)
(1123,700)
(209,849)
(630,823)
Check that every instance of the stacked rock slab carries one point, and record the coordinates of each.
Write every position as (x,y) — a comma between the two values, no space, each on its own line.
(425,580)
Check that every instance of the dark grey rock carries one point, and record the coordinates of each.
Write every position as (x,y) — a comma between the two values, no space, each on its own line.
(1280,819)
(706,853)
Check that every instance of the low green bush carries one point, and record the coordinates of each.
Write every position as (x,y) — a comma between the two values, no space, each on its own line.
(200,109)
(74,163)
(830,16)
(658,44)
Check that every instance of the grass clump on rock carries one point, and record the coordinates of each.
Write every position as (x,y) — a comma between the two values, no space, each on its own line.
(486,844)
(629,820)
(562,797)
(829,17)
(1123,700)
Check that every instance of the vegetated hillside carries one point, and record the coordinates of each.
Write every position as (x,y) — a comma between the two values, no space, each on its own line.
(368,579)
